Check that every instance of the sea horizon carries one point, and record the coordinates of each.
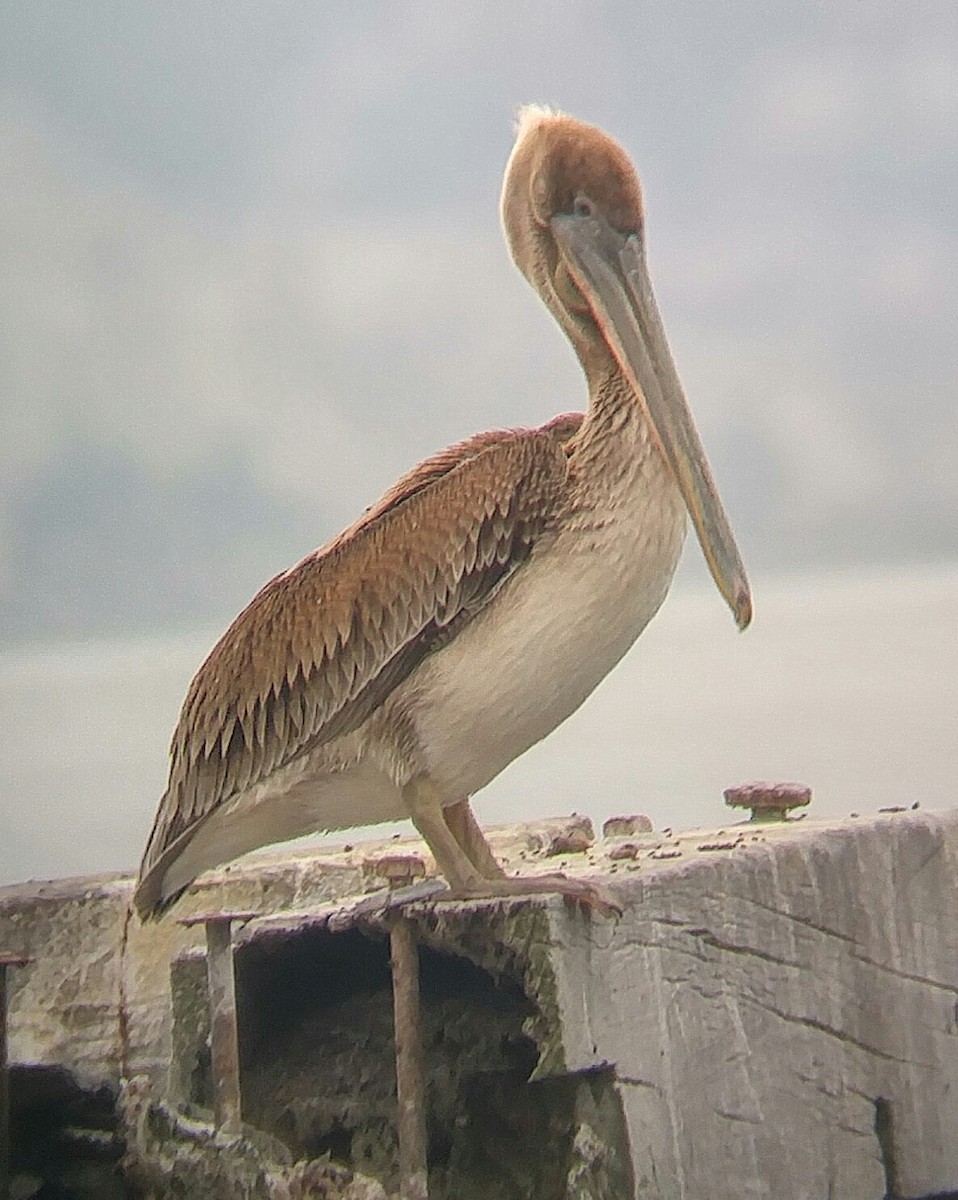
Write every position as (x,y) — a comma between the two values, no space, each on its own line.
(848,682)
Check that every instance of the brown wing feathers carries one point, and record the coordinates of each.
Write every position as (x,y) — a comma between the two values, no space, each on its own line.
(323,644)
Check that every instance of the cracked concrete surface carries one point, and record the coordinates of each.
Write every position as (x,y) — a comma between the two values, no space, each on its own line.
(778,994)
(779,1004)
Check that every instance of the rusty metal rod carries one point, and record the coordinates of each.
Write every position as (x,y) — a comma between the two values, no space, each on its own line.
(224,1035)
(224,1030)
(6,960)
(410,1076)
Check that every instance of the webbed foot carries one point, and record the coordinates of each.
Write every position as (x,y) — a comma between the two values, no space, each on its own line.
(575,891)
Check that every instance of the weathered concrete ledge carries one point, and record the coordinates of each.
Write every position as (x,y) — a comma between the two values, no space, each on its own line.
(775,1013)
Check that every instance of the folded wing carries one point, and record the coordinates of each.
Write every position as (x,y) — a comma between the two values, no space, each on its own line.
(322,645)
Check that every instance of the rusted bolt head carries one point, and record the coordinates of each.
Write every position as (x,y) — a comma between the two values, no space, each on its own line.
(626,826)
(575,841)
(13,960)
(218,916)
(398,870)
(624,850)
(768,801)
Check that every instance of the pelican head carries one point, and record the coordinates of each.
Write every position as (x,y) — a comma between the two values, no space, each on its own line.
(574,220)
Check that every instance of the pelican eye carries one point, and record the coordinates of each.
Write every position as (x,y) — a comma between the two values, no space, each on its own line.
(582,206)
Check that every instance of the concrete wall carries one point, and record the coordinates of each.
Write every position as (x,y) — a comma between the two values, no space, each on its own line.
(776,1011)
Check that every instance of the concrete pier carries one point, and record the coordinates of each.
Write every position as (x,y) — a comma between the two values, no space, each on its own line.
(775,1014)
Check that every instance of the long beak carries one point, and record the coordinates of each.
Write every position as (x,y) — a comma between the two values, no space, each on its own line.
(611,273)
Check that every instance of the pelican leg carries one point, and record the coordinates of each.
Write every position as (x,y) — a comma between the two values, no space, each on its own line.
(465,829)
(425,809)
(462,874)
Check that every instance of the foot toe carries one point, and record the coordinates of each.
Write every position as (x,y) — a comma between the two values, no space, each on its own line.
(575,891)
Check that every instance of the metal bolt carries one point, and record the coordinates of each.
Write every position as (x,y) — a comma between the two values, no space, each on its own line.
(575,841)
(630,826)
(6,960)
(769,801)
(410,1075)
(622,850)
(398,870)
(224,1036)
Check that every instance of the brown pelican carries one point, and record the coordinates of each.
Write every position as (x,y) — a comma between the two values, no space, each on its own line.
(397,670)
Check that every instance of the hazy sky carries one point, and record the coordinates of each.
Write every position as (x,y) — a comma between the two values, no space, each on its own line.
(251,270)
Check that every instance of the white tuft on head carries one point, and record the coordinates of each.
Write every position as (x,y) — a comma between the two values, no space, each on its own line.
(528,116)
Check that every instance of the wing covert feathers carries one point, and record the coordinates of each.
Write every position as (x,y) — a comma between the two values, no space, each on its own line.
(324,643)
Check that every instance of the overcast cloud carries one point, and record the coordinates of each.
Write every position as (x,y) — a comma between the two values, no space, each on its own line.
(251,270)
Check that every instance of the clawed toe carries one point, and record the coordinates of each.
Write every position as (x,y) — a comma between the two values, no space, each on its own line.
(574,891)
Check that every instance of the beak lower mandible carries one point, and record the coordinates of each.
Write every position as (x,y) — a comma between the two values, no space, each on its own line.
(611,273)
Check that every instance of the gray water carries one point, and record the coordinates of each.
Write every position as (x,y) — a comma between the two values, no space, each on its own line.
(847,682)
